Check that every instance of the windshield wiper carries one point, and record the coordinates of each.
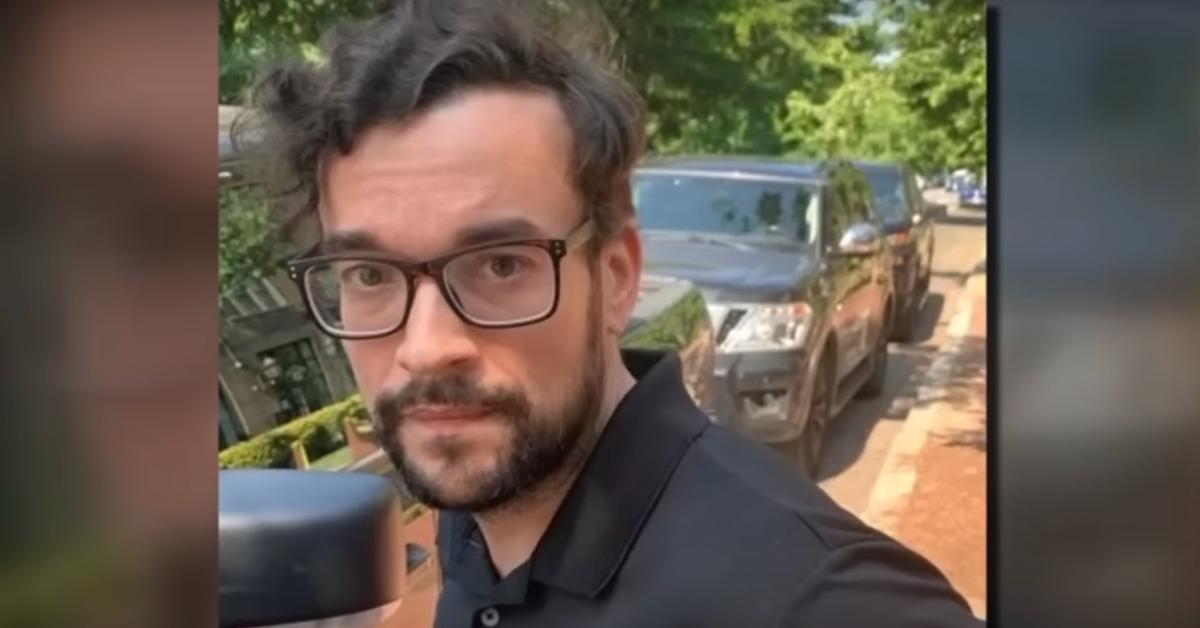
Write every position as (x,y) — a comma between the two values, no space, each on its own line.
(692,237)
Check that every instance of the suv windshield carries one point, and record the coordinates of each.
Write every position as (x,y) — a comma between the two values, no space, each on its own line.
(887,186)
(669,201)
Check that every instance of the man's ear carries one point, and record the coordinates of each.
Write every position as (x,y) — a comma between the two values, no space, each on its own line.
(621,263)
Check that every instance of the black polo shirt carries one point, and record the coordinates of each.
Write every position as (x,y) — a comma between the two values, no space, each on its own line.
(675,521)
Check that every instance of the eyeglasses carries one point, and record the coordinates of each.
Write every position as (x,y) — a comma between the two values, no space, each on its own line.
(497,285)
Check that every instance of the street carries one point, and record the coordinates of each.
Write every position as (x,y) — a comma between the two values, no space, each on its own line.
(861,436)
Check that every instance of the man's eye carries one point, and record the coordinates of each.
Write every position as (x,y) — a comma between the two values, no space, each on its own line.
(365,275)
(503,266)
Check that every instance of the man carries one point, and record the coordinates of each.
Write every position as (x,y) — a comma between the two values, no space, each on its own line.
(479,257)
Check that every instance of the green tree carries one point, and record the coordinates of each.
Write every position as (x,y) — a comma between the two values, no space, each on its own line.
(864,116)
(716,73)
(942,74)
(252,32)
(247,241)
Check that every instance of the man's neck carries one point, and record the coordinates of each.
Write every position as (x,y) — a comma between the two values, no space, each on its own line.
(513,531)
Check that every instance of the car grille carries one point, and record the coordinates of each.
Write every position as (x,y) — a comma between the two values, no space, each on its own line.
(731,321)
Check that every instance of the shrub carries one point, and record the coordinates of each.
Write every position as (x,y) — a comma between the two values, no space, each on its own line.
(320,432)
(356,412)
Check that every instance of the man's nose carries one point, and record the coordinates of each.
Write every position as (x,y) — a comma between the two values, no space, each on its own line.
(435,338)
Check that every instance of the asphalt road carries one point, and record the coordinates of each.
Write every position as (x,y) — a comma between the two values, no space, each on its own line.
(860,436)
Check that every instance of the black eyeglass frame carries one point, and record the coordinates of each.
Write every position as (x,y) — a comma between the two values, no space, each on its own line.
(558,248)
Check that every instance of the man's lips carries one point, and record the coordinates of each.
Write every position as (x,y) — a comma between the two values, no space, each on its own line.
(443,415)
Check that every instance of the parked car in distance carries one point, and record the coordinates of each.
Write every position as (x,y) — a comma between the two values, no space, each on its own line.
(798,282)
(908,222)
(972,195)
(971,189)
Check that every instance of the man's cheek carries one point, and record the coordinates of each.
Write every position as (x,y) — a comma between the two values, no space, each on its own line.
(370,368)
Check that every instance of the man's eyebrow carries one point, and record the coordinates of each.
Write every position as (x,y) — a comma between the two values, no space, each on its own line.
(481,233)
(344,241)
(497,231)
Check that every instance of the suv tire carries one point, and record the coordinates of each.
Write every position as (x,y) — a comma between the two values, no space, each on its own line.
(805,450)
(873,387)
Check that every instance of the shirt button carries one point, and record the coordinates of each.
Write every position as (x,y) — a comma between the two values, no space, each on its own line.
(490,617)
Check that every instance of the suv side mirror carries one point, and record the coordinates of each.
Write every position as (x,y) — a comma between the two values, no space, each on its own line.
(860,240)
(304,546)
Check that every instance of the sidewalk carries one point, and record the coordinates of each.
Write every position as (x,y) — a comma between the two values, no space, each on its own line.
(932,493)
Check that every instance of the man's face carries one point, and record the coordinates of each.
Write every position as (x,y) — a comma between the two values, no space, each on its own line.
(472,416)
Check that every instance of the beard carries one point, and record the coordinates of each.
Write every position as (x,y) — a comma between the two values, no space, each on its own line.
(543,442)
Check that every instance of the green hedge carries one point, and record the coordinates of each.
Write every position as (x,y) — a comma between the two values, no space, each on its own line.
(321,433)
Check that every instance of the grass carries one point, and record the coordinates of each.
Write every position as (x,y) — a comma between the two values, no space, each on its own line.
(334,461)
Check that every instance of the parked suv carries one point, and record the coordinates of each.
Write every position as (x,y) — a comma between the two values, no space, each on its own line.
(798,281)
(908,224)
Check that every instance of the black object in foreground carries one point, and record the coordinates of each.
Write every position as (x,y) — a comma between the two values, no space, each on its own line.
(305,546)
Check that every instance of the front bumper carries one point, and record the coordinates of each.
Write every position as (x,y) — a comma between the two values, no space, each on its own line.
(757,392)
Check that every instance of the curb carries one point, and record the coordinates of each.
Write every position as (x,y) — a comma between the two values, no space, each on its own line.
(898,476)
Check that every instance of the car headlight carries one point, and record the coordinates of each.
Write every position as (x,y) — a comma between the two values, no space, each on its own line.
(770,328)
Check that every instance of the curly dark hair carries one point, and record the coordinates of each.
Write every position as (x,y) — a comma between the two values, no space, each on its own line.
(422,52)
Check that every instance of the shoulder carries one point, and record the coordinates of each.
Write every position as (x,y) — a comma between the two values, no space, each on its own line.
(727,478)
(759,539)
(875,583)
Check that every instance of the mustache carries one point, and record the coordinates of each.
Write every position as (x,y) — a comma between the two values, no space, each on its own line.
(451,390)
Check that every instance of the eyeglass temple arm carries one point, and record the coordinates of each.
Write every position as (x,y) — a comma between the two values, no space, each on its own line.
(580,234)
(286,263)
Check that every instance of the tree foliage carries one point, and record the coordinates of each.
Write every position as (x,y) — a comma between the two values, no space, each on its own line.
(716,73)
(252,32)
(247,243)
(756,76)
(864,116)
(942,75)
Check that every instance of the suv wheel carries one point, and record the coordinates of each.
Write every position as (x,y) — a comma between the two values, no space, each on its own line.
(805,450)
(873,387)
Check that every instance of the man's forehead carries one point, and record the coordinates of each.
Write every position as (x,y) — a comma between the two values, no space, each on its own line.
(482,164)
(494,130)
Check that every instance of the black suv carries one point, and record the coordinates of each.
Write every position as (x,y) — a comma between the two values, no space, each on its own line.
(908,224)
(797,277)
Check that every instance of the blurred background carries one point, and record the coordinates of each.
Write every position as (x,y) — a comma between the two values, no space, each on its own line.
(1096,277)
(108,253)
(109,495)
